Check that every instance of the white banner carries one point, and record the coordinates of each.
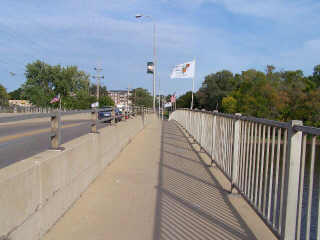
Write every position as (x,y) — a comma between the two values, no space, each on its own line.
(184,70)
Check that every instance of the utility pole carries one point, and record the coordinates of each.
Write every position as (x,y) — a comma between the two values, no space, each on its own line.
(98,77)
(128,98)
(154,59)
(159,97)
(155,67)
(89,86)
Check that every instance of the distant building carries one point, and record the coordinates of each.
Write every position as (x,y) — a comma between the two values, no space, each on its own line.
(20,103)
(121,97)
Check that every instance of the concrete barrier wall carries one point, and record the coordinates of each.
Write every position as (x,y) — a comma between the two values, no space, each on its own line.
(37,191)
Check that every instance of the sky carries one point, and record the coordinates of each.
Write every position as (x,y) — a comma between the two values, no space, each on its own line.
(219,34)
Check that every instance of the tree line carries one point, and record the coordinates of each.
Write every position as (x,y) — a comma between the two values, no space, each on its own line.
(44,82)
(276,95)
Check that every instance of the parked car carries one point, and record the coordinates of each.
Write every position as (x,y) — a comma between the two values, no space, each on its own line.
(106,114)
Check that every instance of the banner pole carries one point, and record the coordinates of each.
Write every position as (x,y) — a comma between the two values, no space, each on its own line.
(59,102)
(194,75)
(192,93)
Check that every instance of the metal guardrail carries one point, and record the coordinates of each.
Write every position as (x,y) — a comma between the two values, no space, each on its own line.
(38,115)
(271,164)
(30,109)
(55,120)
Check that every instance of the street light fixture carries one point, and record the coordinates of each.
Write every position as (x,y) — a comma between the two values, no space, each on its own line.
(154,58)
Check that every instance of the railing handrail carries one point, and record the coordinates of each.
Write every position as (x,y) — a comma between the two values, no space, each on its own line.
(22,116)
(38,115)
(273,123)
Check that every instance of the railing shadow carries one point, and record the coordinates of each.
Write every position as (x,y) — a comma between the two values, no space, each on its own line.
(191,204)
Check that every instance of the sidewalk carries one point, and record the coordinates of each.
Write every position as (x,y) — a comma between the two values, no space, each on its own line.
(159,187)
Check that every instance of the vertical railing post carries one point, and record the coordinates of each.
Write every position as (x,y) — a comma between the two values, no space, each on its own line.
(94,118)
(55,137)
(236,151)
(291,182)
(213,132)
(142,115)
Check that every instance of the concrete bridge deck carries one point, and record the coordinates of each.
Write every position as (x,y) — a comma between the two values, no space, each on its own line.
(160,187)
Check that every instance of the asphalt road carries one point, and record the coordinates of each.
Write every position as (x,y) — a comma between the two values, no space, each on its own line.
(23,140)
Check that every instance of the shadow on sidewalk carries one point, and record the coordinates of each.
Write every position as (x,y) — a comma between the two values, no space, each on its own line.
(191,204)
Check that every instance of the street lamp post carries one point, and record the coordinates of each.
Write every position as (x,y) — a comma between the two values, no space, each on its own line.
(154,59)
(159,97)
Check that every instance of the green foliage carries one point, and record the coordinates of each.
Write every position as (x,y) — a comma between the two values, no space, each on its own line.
(255,95)
(316,75)
(102,90)
(184,101)
(3,96)
(278,95)
(141,97)
(229,104)
(106,101)
(80,101)
(214,88)
(45,81)
(16,94)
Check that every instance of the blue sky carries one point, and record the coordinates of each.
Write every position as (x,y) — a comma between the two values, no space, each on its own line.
(220,34)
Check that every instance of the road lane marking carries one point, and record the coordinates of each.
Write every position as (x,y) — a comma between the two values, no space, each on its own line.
(35,132)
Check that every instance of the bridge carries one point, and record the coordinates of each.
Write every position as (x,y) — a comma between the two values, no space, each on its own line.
(200,175)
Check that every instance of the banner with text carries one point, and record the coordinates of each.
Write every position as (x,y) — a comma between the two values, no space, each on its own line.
(184,70)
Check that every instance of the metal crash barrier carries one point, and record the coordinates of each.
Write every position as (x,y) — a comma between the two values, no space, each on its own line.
(55,121)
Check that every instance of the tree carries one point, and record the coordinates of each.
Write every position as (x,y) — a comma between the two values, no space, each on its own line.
(316,75)
(141,97)
(294,87)
(229,104)
(45,81)
(310,112)
(106,101)
(3,96)
(215,88)
(184,101)
(102,90)
(269,71)
(259,96)
(278,95)
(16,94)
(39,86)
